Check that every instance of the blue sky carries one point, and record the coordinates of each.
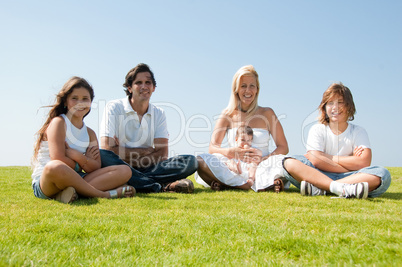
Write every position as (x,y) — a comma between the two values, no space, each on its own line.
(194,49)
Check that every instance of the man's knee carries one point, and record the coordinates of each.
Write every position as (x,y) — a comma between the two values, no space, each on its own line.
(190,162)
(109,158)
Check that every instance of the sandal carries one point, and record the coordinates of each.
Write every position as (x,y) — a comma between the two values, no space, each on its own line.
(67,195)
(218,186)
(126,191)
(277,187)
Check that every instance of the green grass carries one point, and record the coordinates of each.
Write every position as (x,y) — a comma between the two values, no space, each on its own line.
(229,228)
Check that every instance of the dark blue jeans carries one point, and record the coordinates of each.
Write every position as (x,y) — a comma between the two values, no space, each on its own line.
(153,178)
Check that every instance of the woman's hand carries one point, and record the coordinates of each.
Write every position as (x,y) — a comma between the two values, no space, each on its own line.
(252,155)
(237,153)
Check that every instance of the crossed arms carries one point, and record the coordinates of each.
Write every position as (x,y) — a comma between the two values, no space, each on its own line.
(361,158)
(138,157)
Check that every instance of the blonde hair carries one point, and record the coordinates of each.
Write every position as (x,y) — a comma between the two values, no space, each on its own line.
(234,103)
(337,89)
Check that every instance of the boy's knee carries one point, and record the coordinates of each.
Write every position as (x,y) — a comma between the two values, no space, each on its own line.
(289,163)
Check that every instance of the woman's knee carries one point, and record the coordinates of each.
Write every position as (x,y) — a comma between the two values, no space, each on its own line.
(204,172)
(202,166)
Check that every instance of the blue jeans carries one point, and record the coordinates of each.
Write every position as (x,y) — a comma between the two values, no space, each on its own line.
(381,172)
(153,178)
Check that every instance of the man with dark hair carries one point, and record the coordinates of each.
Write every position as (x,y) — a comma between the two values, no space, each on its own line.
(134,132)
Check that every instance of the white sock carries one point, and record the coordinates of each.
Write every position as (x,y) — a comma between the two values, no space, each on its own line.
(336,188)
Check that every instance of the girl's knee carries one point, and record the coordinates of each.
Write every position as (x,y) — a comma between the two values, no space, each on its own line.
(125,171)
(54,168)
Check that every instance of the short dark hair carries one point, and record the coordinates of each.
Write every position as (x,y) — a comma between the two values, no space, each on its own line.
(244,130)
(132,74)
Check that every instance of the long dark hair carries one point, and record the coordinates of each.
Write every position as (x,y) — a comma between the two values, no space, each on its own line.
(60,106)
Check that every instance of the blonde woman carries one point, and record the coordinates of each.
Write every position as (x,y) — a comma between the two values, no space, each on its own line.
(243,109)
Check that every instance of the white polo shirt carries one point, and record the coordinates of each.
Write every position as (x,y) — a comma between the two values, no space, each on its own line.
(120,120)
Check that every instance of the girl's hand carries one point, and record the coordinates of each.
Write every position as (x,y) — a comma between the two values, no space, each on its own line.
(92,152)
(358,151)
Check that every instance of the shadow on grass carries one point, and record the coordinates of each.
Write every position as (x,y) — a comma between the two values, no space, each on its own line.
(389,195)
(294,190)
(164,196)
(85,201)
(209,190)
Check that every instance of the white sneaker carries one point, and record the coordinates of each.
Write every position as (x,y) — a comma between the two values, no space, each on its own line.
(307,189)
(359,190)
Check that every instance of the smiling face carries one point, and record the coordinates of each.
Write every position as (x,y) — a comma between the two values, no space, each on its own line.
(247,90)
(336,110)
(78,102)
(142,87)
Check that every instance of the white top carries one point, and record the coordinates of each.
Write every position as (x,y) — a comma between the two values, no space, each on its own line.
(76,138)
(121,121)
(260,139)
(321,138)
(42,159)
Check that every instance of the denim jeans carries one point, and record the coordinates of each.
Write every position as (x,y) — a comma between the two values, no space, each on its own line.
(381,172)
(153,178)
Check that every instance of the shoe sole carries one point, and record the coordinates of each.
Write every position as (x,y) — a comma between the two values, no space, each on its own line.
(304,189)
(184,187)
(66,196)
(364,193)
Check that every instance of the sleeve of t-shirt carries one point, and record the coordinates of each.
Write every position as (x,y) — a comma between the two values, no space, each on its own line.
(161,130)
(361,138)
(316,138)
(109,121)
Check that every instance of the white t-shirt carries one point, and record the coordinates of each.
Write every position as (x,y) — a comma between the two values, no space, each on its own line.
(120,120)
(321,138)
